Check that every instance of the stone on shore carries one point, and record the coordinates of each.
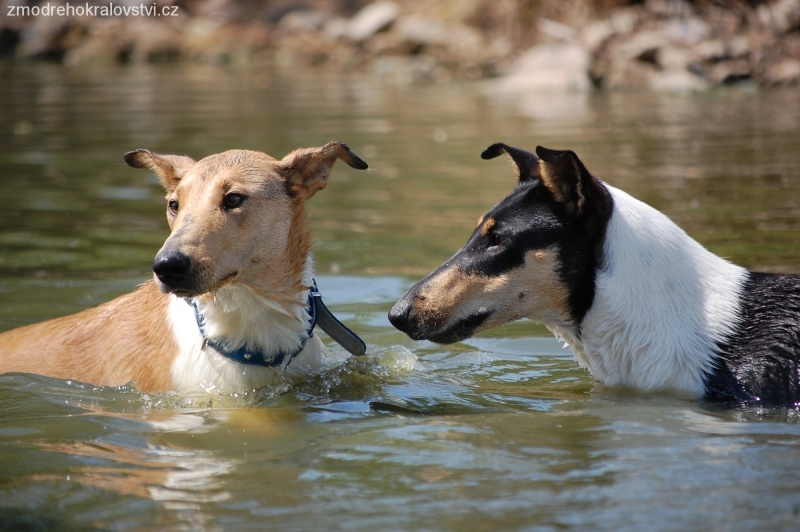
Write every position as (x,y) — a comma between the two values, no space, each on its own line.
(548,67)
(368,21)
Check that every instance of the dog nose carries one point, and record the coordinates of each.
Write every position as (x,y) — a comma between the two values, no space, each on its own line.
(171,268)
(398,316)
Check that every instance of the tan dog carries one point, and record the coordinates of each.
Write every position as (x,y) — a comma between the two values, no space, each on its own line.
(231,284)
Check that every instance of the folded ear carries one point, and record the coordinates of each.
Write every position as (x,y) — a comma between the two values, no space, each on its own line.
(306,170)
(526,163)
(168,168)
(570,183)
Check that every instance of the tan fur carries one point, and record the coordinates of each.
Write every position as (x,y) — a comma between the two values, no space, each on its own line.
(271,231)
(533,289)
(545,294)
(549,179)
(123,340)
(567,191)
(168,168)
(264,245)
(307,169)
(488,226)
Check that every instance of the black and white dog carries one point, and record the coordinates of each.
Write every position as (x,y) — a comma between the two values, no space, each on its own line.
(640,303)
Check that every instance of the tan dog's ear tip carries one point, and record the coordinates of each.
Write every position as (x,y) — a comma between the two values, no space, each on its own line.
(352,160)
(132,158)
(358,163)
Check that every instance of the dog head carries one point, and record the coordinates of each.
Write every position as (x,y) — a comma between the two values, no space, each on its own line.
(533,255)
(238,217)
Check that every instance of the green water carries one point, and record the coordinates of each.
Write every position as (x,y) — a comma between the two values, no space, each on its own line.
(502,432)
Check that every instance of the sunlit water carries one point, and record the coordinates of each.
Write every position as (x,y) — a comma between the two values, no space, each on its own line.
(502,432)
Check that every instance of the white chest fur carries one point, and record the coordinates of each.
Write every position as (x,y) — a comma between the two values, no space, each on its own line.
(239,317)
(662,302)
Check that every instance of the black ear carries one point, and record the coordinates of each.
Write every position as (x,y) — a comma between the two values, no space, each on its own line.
(527,163)
(570,182)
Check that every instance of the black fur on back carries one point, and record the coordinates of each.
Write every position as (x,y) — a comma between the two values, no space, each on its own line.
(760,362)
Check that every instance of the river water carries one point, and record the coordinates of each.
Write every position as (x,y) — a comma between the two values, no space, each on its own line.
(501,432)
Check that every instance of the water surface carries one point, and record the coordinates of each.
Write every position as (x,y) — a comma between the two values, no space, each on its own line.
(502,432)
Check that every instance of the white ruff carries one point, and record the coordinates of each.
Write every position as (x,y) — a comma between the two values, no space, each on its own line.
(662,301)
(236,316)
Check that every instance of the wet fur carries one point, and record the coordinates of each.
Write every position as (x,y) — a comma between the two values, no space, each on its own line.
(640,303)
(251,269)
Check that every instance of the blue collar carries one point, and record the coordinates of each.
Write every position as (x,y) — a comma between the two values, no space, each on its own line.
(253,357)
(315,307)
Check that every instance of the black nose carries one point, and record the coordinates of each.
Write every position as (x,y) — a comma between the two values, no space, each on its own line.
(398,316)
(171,268)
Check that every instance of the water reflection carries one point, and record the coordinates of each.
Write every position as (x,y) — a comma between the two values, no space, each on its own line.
(179,477)
(558,110)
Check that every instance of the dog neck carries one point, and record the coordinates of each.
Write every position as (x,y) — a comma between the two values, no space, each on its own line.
(663,303)
(236,317)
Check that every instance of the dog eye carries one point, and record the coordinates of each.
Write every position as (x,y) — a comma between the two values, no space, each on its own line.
(172,205)
(496,240)
(232,201)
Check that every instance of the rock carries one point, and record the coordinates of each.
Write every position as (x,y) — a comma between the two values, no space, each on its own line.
(624,75)
(459,39)
(229,43)
(664,8)
(621,22)
(221,12)
(624,20)
(371,19)
(621,64)
(648,60)
(546,67)
(155,41)
(738,46)
(673,58)
(686,31)
(594,34)
(301,49)
(107,43)
(730,71)
(711,50)
(781,16)
(785,72)
(336,28)
(641,45)
(676,81)
(423,30)
(388,43)
(717,49)
(556,31)
(44,37)
(303,20)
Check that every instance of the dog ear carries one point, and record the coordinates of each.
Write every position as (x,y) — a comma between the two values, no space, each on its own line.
(570,183)
(168,168)
(306,170)
(526,163)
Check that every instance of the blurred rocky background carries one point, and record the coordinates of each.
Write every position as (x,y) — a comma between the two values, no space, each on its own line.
(518,45)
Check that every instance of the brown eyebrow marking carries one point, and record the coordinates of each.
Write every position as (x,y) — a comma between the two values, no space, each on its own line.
(488,226)
(480,221)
